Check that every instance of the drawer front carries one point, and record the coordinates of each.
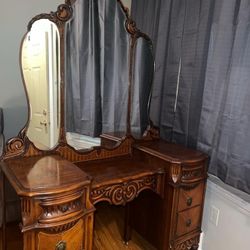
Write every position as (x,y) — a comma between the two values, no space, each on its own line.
(190,197)
(188,220)
(71,239)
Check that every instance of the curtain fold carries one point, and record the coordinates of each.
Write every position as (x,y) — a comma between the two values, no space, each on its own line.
(180,31)
(201,87)
(225,118)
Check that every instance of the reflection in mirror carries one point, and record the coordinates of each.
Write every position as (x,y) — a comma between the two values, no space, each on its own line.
(41,73)
(143,73)
(97,72)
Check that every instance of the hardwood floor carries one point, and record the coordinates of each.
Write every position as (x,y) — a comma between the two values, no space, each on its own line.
(107,235)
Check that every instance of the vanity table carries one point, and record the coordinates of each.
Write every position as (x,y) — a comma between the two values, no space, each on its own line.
(161,184)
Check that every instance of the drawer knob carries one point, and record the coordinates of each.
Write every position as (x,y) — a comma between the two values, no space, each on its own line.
(61,245)
(188,223)
(189,201)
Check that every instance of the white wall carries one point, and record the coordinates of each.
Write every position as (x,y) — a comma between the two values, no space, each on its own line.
(14,18)
(233,228)
(127,3)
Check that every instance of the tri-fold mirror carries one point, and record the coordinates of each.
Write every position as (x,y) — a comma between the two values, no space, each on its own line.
(87,71)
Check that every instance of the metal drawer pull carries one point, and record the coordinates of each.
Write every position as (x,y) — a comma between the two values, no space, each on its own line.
(61,245)
(189,201)
(188,223)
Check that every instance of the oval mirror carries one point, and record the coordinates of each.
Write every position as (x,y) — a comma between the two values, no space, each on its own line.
(41,73)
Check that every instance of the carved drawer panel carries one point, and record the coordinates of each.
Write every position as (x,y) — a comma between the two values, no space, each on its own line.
(190,197)
(71,239)
(188,221)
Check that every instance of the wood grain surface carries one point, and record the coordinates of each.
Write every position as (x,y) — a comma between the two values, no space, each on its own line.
(107,234)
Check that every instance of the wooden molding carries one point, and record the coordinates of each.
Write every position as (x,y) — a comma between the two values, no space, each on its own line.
(120,194)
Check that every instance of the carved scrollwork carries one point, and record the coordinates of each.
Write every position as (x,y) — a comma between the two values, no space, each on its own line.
(64,13)
(53,211)
(191,174)
(151,132)
(61,228)
(130,23)
(15,146)
(120,194)
(131,26)
(186,176)
(191,244)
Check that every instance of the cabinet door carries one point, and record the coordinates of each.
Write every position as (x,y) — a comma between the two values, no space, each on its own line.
(71,239)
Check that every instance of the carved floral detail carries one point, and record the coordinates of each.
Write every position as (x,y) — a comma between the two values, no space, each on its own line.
(190,174)
(61,228)
(59,209)
(191,244)
(64,13)
(120,194)
(131,26)
(16,145)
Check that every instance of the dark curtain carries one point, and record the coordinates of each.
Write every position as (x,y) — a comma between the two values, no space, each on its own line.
(142,71)
(179,30)
(97,66)
(201,88)
(225,118)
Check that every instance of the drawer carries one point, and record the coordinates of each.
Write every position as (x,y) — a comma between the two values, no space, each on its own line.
(71,239)
(188,220)
(190,197)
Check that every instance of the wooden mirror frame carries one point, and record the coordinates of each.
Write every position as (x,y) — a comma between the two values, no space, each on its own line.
(22,146)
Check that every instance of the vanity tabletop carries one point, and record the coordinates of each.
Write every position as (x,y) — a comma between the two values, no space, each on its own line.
(171,152)
(117,170)
(39,175)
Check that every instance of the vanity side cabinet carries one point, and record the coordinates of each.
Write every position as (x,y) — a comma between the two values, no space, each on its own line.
(58,221)
(172,221)
(56,209)
(187,184)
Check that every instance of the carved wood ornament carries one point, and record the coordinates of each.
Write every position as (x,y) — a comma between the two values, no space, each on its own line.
(120,194)
(191,244)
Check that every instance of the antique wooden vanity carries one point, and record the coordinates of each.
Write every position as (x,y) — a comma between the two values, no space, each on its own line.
(161,184)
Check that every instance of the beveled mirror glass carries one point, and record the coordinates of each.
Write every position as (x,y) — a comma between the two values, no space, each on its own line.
(41,73)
